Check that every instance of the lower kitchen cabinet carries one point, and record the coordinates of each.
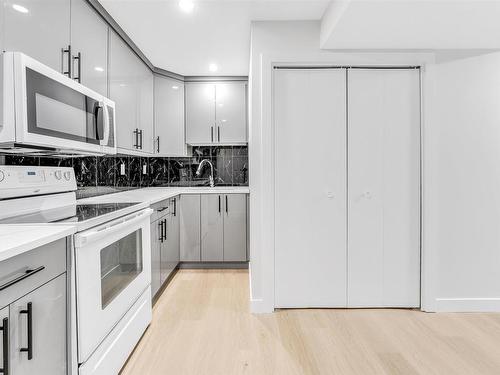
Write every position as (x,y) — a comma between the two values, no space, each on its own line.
(38,330)
(235,228)
(212,228)
(190,228)
(155,257)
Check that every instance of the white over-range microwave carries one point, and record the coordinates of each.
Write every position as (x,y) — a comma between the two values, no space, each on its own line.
(45,112)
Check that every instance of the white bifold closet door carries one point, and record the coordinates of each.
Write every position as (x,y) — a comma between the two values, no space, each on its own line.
(383,188)
(310,188)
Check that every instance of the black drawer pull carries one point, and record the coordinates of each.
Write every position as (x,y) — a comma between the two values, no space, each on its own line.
(162,209)
(27,273)
(29,314)
(5,343)
(175,206)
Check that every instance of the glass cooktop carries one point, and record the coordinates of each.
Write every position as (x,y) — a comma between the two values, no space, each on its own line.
(68,214)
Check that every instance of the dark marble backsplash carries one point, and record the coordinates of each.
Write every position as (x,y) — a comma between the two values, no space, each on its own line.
(108,174)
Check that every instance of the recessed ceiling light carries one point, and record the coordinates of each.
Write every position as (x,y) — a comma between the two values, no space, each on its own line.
(213,67)
(99,69)
(175,87)
(186,6)
(20,8)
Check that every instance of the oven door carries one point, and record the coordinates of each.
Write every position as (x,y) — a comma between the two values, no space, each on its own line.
(57,112)
(113,268)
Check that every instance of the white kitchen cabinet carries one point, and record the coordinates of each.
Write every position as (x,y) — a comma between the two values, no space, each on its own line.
(384,188)
(231,112)
(170,137)
(190,247)
(42,31)
(45,308)
(89,37)
(310,222)
(212,228)
(216,113)
(131,87)
(235,227)
(200,113)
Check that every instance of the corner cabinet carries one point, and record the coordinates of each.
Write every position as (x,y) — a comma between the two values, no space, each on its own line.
(170,135)
(131,87)
(216,113)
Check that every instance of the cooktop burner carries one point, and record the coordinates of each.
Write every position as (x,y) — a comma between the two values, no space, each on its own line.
(71,214)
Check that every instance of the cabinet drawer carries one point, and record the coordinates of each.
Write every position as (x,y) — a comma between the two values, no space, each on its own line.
(45,263)
(160,209)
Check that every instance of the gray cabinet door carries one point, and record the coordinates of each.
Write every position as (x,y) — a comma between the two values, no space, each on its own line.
(155,257)
(4,324)
(212,226)
(231,112)
(190,228)
(46,308)
(89,36)
(200,113)
(145,121)
(170,135)
(40,29)
(235,228)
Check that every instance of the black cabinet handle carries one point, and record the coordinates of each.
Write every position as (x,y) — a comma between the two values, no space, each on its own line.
(175,206)
(136,133)
(79,70)
(140,134)
(165,229)
(27,273)
(5,342)
(162,209)
(68,51)
(160,224)
(29,314)
(212,133)
(218,133)
(158,144)
(226,205)
(219,203)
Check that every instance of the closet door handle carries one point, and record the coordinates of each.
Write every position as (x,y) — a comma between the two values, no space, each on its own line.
(227,209)
(29,314)
(5,342)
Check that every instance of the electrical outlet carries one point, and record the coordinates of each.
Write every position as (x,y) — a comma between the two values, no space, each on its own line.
(144,169)
(122,169)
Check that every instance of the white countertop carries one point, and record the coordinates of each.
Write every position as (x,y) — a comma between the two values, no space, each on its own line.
(16,239)
(156,194)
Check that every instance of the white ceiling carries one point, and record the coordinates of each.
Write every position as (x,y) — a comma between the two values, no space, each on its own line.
(217,31)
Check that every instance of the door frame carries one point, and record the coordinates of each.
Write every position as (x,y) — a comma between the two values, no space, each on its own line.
(263,239)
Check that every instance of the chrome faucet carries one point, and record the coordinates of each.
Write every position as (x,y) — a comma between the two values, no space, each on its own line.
(200,167)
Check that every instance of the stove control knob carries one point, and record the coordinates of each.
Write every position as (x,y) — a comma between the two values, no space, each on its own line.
(67,175)
(2,176)
(58,175)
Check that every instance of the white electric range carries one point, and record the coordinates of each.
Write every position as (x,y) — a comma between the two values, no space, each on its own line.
(111,264)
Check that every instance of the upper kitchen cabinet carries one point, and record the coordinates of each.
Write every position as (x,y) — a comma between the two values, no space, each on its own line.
(216,113)
(131,88)
(40,29)
(170,135)
(89,45)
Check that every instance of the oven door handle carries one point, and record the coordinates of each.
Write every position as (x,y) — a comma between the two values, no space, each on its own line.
(112,227)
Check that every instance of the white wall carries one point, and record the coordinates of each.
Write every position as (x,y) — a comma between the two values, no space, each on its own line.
(286,43)
(461,182)
(462,185)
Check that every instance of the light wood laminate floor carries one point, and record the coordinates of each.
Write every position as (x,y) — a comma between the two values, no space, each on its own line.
(202,325)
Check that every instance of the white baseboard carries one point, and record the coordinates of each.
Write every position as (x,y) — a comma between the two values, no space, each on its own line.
(467,305)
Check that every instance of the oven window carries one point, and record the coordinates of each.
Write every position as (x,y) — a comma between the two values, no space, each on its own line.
(121,262)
